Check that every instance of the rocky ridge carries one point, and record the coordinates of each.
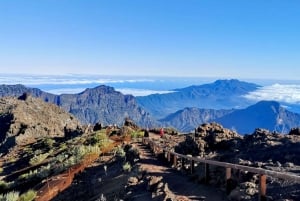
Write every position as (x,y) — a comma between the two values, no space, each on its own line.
(24,121)
(100,104)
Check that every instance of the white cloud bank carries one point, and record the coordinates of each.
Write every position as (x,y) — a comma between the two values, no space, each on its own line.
(66,79)
(287,93)
(131,91)
(141,92)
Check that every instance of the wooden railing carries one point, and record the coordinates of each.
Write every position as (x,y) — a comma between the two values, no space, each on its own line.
(263,173)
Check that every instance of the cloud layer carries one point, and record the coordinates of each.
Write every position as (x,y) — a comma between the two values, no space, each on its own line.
(32,80)
(287,93)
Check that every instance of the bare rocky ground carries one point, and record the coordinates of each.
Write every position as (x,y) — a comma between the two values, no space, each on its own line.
(149,179)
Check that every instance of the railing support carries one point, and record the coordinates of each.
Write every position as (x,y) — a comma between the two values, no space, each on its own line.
(174,161)
(227,179)
(262,187)
(192,166)
(169,156)
(206,173)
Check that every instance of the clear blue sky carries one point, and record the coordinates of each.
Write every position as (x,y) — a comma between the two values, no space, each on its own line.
(238,39)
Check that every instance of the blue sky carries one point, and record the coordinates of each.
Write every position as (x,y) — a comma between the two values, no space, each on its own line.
(234,39)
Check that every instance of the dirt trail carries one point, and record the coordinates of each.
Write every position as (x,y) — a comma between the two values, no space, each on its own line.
(94,182)
(179,184)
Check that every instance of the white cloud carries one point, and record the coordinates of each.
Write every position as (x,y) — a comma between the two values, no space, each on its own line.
(141,92)
(32,80)
(287,93)
(65,91)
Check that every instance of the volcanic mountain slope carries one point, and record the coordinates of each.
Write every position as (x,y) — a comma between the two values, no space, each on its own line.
(100,104)
(106,105)
(222,94)
(265,114)
(26,121)
(189,118)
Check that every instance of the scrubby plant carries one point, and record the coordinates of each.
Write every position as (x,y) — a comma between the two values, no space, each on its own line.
(3,185)
(93,149)
(28,196)
(119,151)
(41,172)
(48,142)
(137,134)
(63,146)
(127,167)
(36,159)
(10,196)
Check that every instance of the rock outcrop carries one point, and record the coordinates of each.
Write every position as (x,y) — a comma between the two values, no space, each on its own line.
(24,121)
(100,104)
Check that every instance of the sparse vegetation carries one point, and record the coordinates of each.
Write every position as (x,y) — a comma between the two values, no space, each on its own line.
(137,134)
(28,196)
(10,196)
(127,167)
(36,159)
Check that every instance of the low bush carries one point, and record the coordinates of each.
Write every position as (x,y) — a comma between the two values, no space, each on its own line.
(28,196)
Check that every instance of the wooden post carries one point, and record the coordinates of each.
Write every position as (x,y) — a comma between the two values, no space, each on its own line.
(192,166)
(175,161)
(182,163)
(262,187)
(228,183)
(206,173)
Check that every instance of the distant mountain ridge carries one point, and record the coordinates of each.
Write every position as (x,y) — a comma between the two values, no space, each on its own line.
(100,104)
(220,101)
(189,118)
(221,94)
(264,114)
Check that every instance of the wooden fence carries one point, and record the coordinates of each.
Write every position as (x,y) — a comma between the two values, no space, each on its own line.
(263,173)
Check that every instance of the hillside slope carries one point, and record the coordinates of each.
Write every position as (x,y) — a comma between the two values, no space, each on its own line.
(100,104)
(25,121)
(189,118)
(222,94)
(265,114)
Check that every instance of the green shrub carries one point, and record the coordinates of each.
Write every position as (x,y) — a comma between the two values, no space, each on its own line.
(120,152)
(11,196)
(127,167)
(28,196)
(137,134)
(3,185)
(48,142)
(36,159)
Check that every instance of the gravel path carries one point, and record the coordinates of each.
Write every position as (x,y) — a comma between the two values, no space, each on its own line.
(179,184)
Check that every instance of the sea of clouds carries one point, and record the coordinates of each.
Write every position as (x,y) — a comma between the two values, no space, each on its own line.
(70,84)
(141,86)
(286,93)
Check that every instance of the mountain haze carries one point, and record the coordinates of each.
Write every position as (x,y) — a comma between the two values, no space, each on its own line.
(221,94)
(189,118)
(265,114)
(100,104)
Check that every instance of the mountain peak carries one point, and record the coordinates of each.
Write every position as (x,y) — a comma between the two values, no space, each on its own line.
(100,89)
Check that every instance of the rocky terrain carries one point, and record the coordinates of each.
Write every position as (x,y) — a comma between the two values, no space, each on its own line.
(26,119)
(40,140)
(100,104)
(262,149)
